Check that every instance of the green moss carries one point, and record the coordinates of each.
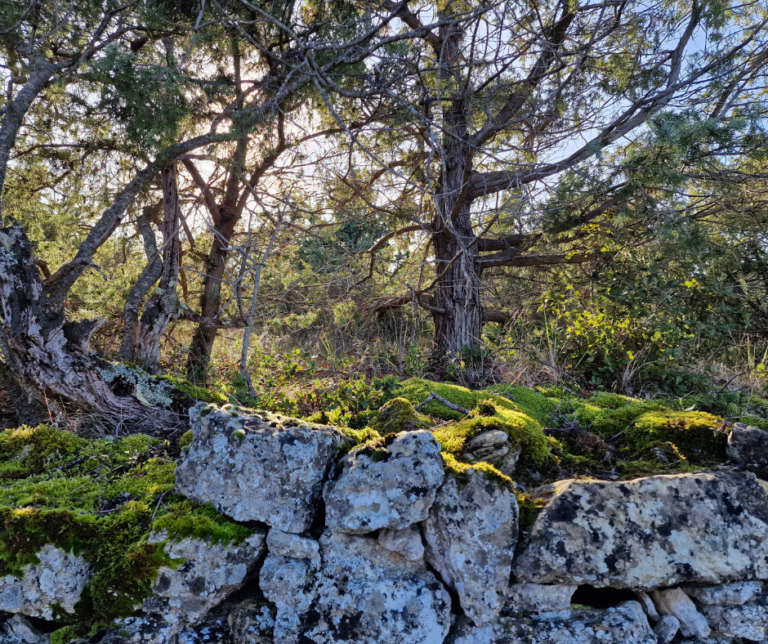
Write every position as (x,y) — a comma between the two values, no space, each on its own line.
(660,451)
(417,391)
(528,401)
(523,431)
(755,421)
(98,499)
(398,415)
(195,393)
(185,440)
(30,450)
(461,471)
(185,519)
(629,470)
(693,432)
(63,635)
(529,507)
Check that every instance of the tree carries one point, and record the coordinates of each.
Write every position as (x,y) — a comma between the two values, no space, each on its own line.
(498,108)
(160,110)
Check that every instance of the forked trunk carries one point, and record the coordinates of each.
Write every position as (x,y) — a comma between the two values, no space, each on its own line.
(162,306)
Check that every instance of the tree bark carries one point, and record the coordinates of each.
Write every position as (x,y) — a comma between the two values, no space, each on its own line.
(457,291)
(147,279)
(163,305)
(49,353)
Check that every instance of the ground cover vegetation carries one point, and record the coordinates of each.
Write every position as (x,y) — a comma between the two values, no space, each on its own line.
(541,222)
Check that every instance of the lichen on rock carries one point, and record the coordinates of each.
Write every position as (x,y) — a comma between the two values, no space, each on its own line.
(653,532)
(391,492)
(257,466)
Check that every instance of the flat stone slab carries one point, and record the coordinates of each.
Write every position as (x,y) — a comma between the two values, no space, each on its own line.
(659,531)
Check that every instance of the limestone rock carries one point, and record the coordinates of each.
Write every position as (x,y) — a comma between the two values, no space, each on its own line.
(257,466)
(209,573)
(252,623)
(406,542)
(366,594)
(648,606)
(493,446)
(748,621)
(539,598)
(285,544)
(727,595)
(18,630)
(151,629)
(287,582)
(748,445)
(470,535)
(394,491)
(651,532)
(666,629)
(59,579)
(625,624)
(676,603)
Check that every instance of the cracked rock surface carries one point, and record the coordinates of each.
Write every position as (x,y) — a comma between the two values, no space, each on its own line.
(470,535)
(652,532)
(257,466)
(393,492)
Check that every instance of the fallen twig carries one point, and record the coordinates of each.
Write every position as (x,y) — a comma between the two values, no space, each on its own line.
(440,399)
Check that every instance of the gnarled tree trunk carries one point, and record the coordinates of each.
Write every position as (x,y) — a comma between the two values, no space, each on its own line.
(163,305)
(49,353)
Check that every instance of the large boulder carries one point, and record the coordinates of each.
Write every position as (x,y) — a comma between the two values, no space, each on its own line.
(471,534)
(625,624)
(257,466)
(366,594)
(202,575)
(57,580)
(748,445)
(652,532)
(392,486)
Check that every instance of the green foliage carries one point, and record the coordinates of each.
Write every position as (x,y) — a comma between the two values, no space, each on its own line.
(64,635)
(149,100)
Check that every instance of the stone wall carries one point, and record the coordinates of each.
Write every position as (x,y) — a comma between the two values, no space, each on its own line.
(387,546)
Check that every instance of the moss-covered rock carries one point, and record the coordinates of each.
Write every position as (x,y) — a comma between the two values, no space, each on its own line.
(694,433)
(417,391)
(398,415)
(25,451)
(99,499)
(523,431)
